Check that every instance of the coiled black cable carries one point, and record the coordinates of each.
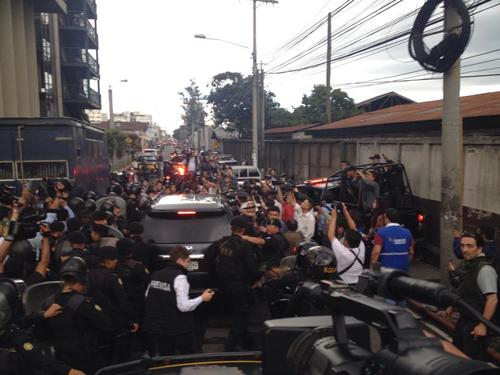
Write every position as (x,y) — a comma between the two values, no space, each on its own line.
(442,56)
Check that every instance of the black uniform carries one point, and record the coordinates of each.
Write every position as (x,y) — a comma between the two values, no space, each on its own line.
(232,262)
(107,290)
(74,332)
(274,249)
(19,354)
(169,328)
(135,277)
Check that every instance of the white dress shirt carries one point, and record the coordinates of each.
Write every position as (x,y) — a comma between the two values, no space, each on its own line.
(305,221)
(181,287)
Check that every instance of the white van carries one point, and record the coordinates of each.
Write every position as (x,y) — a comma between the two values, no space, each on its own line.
(246,172)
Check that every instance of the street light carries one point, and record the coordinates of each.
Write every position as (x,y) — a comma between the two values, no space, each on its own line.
(255,145)
(110,97)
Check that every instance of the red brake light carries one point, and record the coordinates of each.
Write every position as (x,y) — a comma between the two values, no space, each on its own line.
(186,213)
(318,180)
(420,218)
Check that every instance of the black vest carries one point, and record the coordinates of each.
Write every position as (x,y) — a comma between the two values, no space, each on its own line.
(229,263)
(468,289)
(161,315)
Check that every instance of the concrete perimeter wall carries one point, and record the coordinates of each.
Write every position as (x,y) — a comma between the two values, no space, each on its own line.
(421,157)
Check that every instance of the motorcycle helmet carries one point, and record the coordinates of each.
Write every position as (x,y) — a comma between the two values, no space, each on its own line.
(320,263)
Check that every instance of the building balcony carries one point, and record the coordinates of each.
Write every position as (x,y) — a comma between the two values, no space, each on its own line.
(82,96)
(78,21)
(79,59)
(51,6)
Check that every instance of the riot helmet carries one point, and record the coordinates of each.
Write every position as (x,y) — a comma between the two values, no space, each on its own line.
(90,195)
(77,204)
(75,268)
(107,206)
(302,248)
(8,299)
(90,205)
(115,189)
(320,263)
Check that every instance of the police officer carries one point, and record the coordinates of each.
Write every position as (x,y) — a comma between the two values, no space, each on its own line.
(274,244)
(168,316)
(233,263)
(19,354)
(106,288)
(134,274)
(74,330)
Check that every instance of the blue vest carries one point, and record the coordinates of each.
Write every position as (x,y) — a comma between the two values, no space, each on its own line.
(395,250)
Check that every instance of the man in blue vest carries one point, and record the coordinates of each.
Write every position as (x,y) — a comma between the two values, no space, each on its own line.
(393,244)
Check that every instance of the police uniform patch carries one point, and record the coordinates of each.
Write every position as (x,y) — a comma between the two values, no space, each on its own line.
(28,346)
(98,308)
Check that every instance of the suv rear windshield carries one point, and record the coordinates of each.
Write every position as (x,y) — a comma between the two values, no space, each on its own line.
(168,227)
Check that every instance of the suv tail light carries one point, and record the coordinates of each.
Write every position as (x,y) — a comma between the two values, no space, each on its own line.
(420,218)
(186,213)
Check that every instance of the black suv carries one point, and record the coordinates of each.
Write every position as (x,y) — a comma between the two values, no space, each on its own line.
(194,221)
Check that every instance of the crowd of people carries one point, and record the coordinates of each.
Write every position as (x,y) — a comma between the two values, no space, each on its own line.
(118,301)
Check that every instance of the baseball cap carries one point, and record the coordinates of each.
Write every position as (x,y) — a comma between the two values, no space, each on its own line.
(275,222)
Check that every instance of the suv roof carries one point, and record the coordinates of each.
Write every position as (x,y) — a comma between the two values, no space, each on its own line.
(201,203)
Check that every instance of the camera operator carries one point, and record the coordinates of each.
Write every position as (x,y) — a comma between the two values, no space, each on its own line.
(350,253)
(476,283)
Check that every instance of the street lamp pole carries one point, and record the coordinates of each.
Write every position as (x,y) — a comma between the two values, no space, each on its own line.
(255,143)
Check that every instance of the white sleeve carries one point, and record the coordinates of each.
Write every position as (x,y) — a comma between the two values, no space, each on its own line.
(336,245)
(311,223)
(181,287)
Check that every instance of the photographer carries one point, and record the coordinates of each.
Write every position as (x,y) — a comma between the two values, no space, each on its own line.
(350,253)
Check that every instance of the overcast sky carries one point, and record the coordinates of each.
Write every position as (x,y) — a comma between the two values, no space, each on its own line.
(151,44)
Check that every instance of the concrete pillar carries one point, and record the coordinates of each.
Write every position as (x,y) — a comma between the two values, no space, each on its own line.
(20,57)
(32,66)
(7,60)
(56,64)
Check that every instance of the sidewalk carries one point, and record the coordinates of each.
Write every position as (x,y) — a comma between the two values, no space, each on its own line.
(424,271)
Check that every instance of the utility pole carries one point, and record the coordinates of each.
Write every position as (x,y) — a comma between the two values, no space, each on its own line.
(328,70)
(452,157)
(111,114)
(262,123)
(255,110)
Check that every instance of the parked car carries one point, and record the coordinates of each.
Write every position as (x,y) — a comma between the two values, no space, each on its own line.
(194,221)
(226,160)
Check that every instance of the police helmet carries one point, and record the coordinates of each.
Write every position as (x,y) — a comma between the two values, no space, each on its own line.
(302,248)
(107,206)
(77,204)
(116,189)
(75,268)
(23,249)
(90,195)
(90,205)
(320,263)
(135,189)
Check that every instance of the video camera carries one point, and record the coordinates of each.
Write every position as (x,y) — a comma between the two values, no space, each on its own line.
(404,349)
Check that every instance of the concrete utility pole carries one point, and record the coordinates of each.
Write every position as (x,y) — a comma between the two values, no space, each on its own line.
(255,83)
(328,70)
(262,122)
(111,114)
(452,157)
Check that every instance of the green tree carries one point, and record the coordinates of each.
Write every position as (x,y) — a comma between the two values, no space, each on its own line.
(314,105)
(116,142)
(194,112)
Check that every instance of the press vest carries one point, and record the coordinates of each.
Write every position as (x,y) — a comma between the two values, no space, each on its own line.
(395,249)
(161,315)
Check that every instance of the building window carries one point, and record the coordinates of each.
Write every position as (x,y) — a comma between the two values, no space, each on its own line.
(46,50)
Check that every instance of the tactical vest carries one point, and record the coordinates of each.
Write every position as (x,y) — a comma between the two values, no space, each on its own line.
(161,315)
(468,289)
(229,265)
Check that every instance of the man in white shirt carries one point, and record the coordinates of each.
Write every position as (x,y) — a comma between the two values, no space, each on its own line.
(350,252)
(305,218)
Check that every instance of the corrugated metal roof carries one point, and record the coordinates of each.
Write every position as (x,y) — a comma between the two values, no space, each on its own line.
(290,129)
(471,106)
